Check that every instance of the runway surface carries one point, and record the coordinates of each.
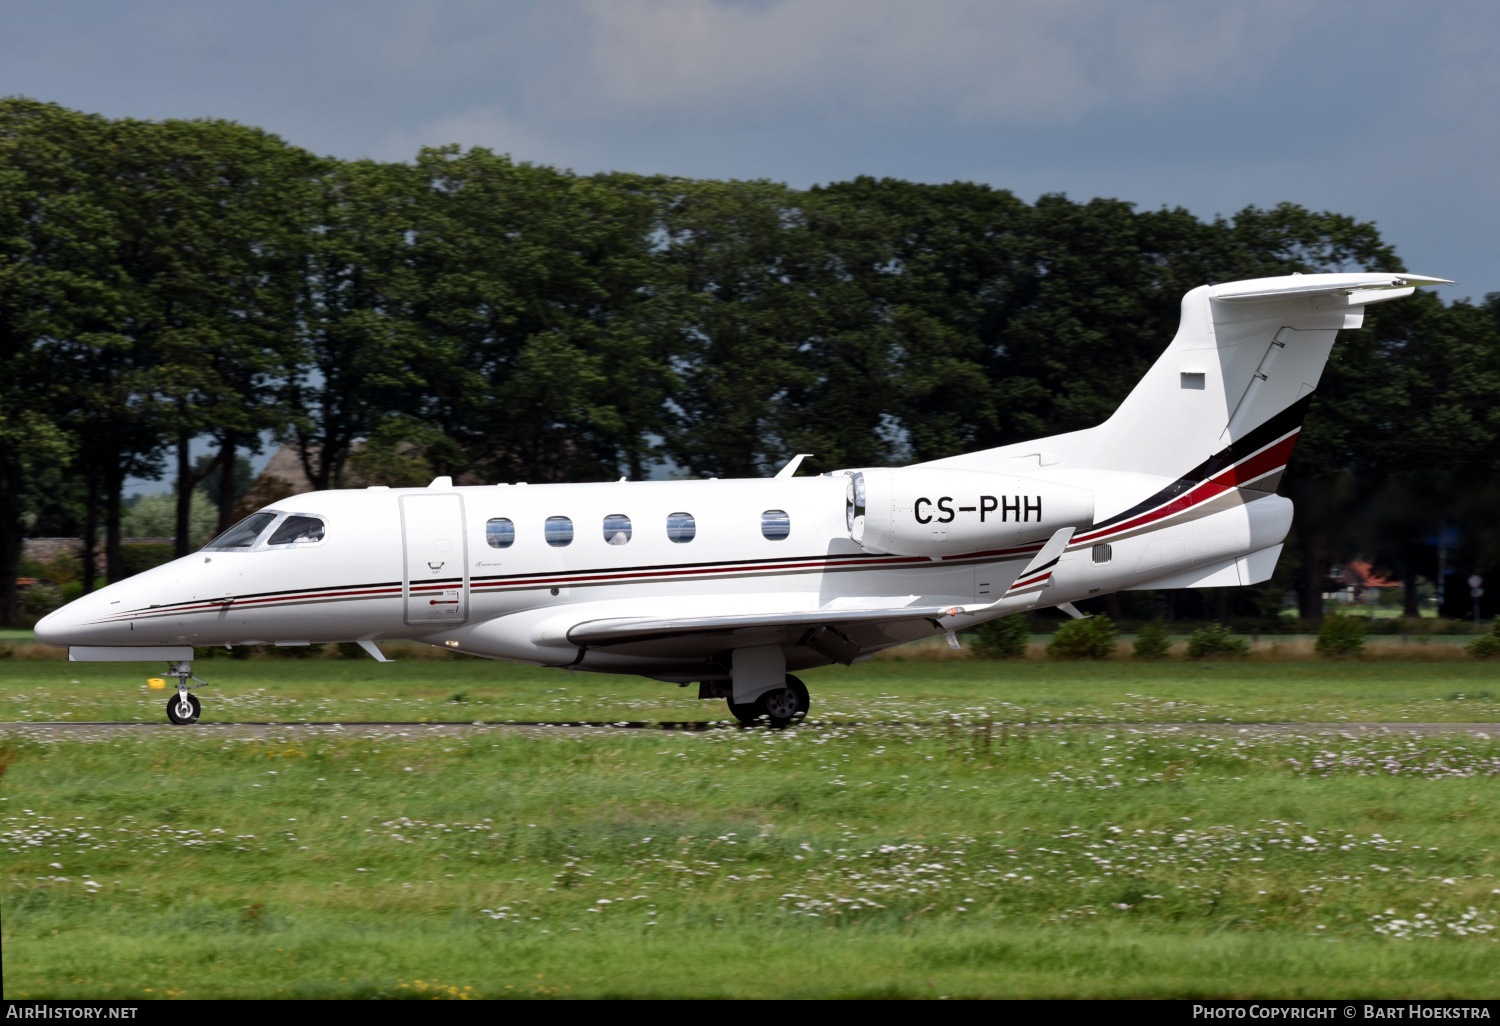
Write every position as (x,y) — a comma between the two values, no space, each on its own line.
(697,726)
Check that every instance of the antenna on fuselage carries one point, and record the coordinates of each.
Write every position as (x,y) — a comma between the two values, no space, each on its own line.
(792,465)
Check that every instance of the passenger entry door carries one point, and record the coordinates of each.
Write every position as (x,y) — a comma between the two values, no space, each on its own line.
(436,584)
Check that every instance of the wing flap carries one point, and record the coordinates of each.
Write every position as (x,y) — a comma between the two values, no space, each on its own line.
(626,630)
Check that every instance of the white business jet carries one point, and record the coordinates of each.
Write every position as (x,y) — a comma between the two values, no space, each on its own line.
(733,583)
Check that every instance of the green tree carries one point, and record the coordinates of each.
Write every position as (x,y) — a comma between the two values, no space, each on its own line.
(403,452)
(737,255)
(1153,641)
(1002,638)
(1215,641)
(59,293)
(360,346)
(539,314)
(216,218)
(1089,638)
(916,268)
(1487,645)
(155,516)
(1341,637)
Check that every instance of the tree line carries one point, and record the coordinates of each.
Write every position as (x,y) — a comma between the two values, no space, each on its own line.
(463,313)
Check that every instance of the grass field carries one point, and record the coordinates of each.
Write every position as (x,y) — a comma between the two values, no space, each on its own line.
(914,840)
(464,690)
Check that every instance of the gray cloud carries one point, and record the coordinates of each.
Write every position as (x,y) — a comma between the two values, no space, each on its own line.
(1382,110)
(976,61)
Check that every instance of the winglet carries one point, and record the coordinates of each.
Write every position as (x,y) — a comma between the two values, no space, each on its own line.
(1039,571)
(792,465)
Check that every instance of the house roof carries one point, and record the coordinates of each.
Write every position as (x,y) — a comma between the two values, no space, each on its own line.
(1364,575)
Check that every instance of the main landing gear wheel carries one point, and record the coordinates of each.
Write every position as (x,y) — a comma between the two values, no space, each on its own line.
(780,707)
(182,709)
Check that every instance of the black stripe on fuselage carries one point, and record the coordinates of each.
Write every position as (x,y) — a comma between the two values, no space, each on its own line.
(727,564)
(1287,420)
(827,562)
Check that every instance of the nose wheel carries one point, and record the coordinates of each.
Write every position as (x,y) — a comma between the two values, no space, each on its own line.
(780,706)
(183,707)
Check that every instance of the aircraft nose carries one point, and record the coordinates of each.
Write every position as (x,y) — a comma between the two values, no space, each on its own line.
(57,627)
(82,622)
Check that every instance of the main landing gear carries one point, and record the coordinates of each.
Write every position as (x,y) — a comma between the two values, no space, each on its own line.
(781,706)
(182,708)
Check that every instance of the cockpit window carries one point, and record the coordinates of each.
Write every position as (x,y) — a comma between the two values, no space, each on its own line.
(243,534)
(297,529)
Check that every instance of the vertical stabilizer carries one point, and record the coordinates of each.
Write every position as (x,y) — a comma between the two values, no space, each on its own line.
(1246,357)
(1227,397)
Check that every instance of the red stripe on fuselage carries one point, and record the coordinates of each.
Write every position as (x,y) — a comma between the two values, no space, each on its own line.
(1258,465)
(230,603)
(1269,459)
(532,581)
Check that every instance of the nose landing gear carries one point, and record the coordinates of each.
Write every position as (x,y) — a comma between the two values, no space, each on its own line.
(780,707)
(182,708)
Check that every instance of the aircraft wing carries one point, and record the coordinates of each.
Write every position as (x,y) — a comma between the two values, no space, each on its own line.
(842,634)
(623,630)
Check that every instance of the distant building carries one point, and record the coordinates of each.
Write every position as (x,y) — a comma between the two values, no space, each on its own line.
(1359,582)
(284,476)
(41,550)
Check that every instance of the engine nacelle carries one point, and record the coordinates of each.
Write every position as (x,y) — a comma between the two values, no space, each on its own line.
(920,511)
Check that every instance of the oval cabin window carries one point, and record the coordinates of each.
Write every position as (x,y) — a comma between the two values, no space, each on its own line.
(559,531)
(681,527)
(775,524)
(616,529)
(499,533)
(293,530)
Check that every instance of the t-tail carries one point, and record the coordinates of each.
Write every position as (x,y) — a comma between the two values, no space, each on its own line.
(1221,407)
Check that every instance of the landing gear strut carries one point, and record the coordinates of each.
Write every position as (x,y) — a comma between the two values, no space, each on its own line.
(780,706)
(182,708)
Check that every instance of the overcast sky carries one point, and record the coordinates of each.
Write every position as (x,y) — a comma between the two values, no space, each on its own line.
(1386,111)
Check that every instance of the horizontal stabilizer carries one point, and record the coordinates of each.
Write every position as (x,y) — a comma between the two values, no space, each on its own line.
(1254,568)
(1291,285)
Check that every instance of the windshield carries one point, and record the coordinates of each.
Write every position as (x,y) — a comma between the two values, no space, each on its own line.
(243,534)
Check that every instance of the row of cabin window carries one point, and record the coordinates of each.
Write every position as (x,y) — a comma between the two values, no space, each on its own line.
(500,532)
